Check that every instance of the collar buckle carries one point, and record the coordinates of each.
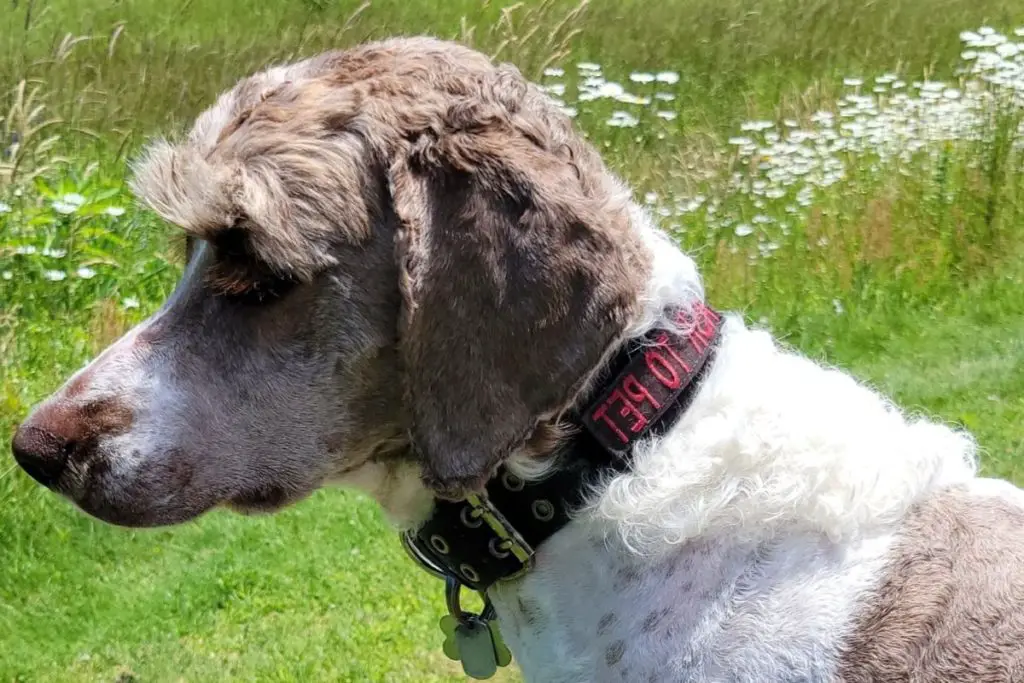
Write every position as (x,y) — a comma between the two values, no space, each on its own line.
(508,539)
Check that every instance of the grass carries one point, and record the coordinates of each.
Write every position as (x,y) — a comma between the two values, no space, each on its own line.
(896,258)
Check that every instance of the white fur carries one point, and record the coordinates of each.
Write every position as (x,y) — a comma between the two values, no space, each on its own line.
(754,524)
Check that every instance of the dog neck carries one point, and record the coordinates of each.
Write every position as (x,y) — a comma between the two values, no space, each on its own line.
(647,385)
(769,507)
(777,464)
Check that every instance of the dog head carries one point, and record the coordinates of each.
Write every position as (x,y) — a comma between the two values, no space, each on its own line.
(402,260)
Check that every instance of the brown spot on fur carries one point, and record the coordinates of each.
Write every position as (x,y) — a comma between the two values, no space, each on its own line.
(652,620)
(951,606)
(531,611)
(625,577)
(613,655)
(76,386)
(605,622)
(108,417)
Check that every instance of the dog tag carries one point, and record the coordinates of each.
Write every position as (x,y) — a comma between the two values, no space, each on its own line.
(476,646)
(450,648)
(501,652)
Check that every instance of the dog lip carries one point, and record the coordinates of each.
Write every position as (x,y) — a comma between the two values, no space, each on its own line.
(134,518)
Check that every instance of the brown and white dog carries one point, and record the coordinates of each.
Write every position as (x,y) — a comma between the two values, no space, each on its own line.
(407,267)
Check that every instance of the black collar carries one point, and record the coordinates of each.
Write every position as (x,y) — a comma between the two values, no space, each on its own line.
(493,536)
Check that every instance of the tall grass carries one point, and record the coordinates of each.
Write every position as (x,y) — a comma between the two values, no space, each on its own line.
(850,174)
(118,68)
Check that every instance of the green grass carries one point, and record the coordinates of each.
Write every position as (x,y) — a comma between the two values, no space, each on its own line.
(908,272)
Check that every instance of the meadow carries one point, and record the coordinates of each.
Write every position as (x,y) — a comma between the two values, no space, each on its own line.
(848,173)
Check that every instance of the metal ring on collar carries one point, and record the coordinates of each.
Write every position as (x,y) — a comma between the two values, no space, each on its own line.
(421,558)
(511,482)
(543,510)
(471,517)
(499,548)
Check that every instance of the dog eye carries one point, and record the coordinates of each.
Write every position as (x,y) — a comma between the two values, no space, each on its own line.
(236,275)
(266,291)
(253,291)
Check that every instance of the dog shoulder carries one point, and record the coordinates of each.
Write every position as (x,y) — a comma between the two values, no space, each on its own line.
(950,605)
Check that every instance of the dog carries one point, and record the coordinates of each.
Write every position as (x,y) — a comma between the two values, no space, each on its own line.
(409,274)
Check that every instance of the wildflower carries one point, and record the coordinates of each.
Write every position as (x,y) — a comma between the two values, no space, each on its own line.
(853,82)
(85,272)
(641,77)
(756,126)
(569,111)
(554,72)
(610,90)
(54,275)
(68,203)
(664,96)
(667,77)
(130,302)
(744,229)
(5,208)
(667,115)
(7,275)
(554,88)
(25,250)
(55,253)
(588,66)
(822,118)
(629,98)
(621,119)
(1007,50)
(838,306)
(740,141)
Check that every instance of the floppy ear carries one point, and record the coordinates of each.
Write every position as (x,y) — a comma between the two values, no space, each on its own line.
(517,279)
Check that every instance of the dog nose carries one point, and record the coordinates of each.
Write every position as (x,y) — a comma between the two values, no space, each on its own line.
(41,453)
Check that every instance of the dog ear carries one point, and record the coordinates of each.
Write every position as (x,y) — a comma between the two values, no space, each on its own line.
(283,183)
(517,279)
